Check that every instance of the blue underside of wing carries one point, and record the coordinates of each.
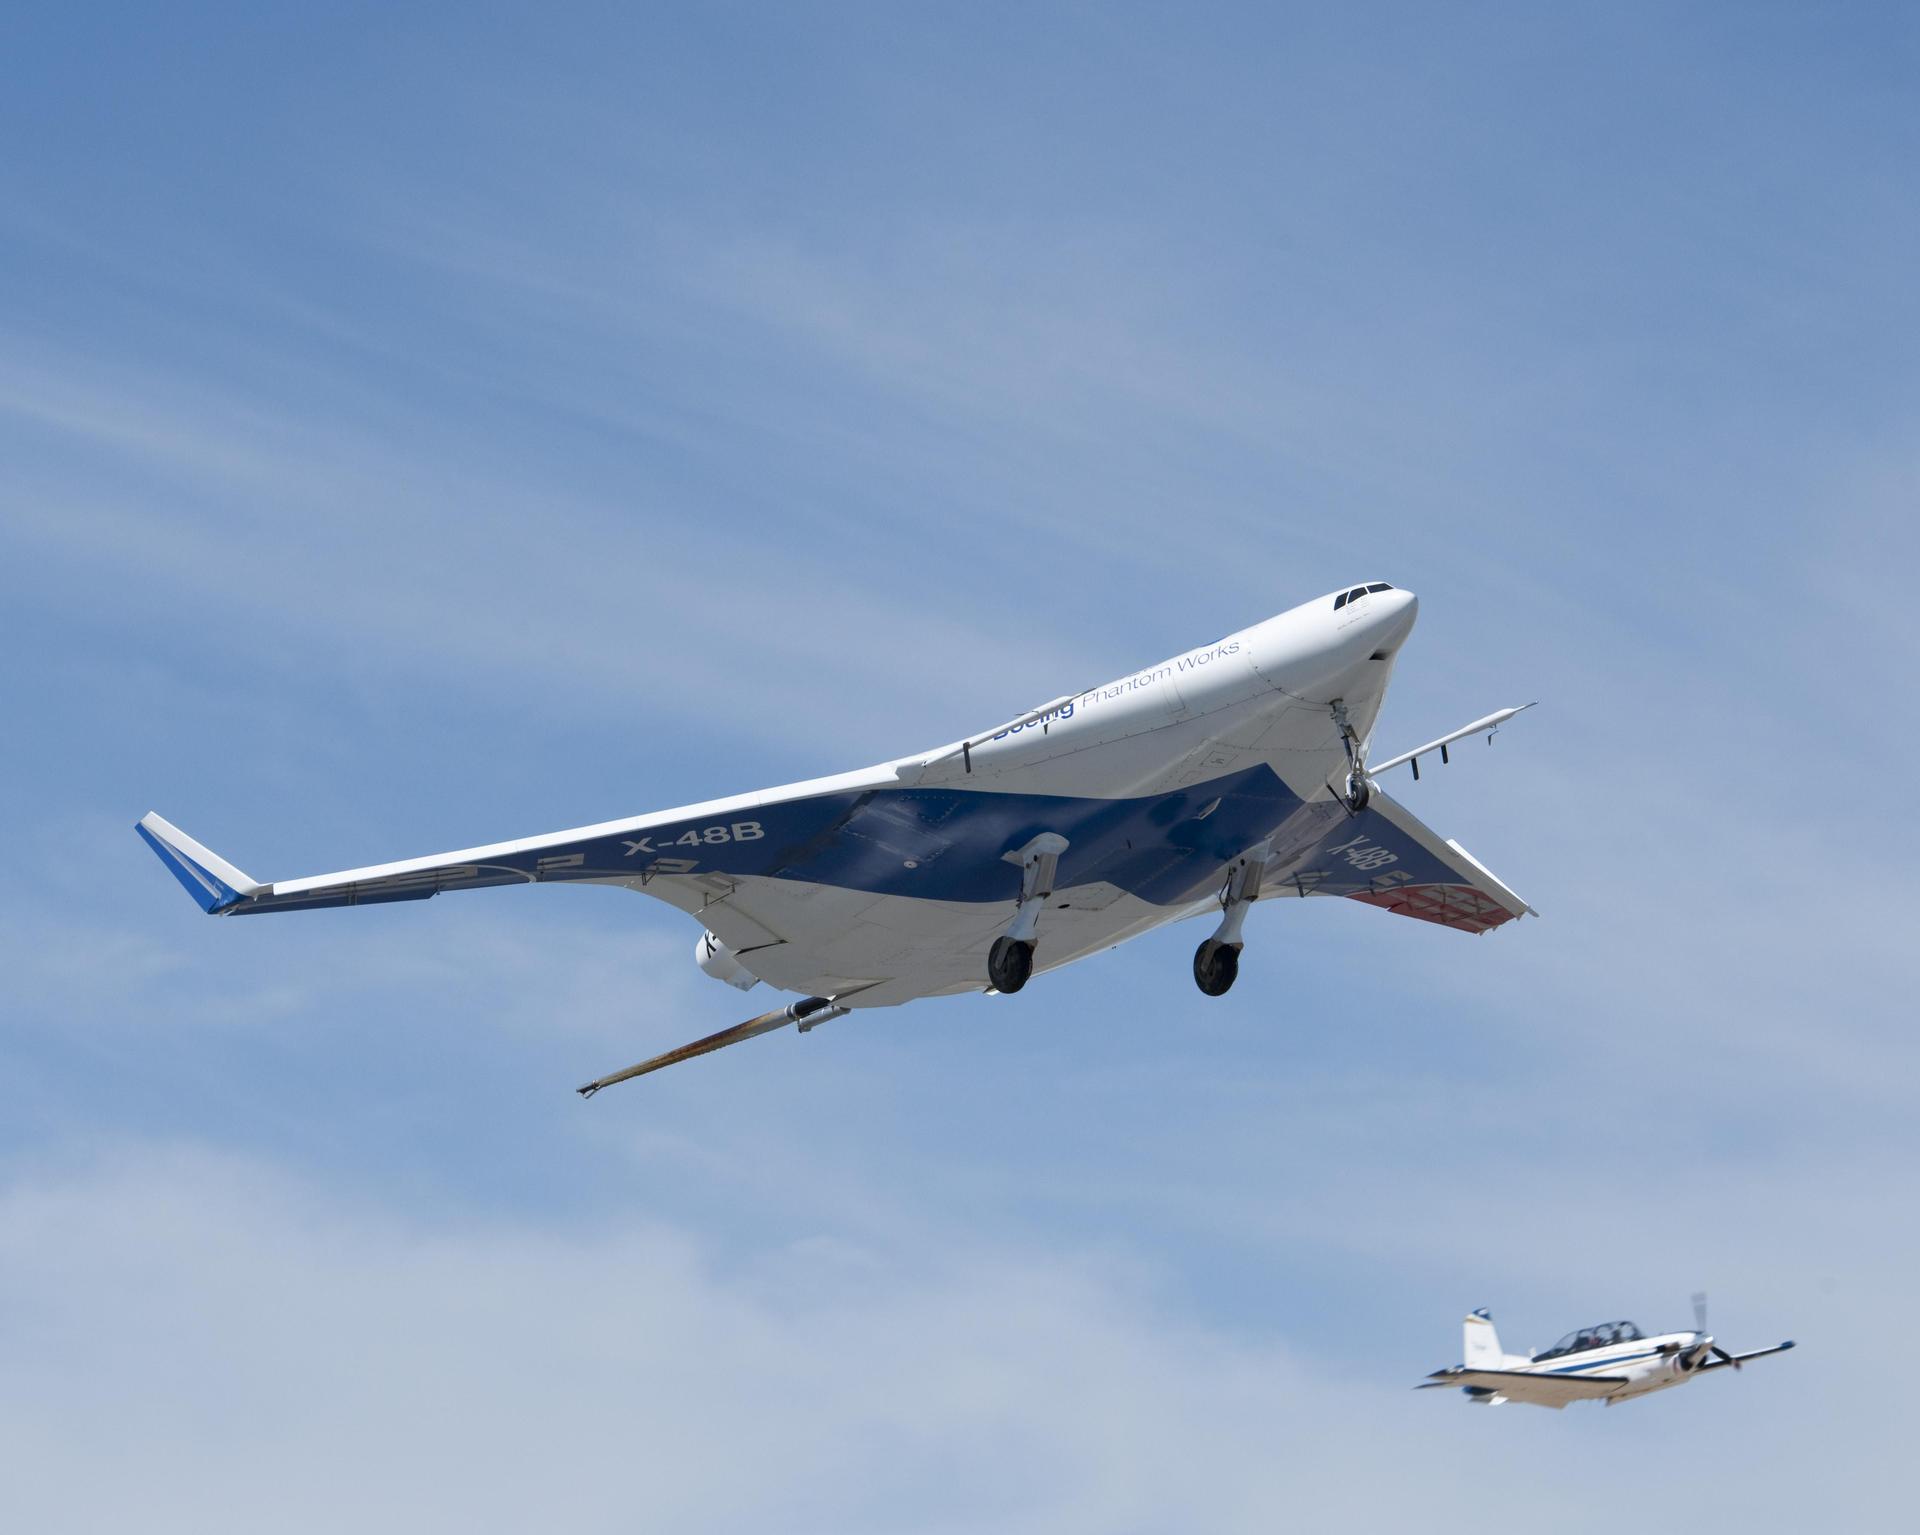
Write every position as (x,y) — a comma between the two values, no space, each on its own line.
(213,893)
(948,844)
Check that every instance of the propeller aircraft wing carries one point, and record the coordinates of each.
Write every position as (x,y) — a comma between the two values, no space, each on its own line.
(1736,1360)
(1526,1386)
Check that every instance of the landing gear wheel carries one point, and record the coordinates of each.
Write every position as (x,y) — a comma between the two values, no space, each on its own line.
(1009,964)
(1216,966)
(1359,793)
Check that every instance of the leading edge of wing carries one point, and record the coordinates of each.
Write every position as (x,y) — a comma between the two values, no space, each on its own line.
(863,778)
(289,893)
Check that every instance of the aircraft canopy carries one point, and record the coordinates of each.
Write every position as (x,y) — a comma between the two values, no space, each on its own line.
(1605,1335)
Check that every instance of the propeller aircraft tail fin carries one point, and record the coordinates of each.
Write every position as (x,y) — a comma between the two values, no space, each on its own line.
(1480,1344)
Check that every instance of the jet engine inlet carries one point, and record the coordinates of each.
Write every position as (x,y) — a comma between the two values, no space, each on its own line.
(717,960)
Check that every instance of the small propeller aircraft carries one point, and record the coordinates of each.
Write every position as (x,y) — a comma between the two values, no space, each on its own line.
(1226,775)
(1609,1363)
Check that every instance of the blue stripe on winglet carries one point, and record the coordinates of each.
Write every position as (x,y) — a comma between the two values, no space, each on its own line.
(212,893)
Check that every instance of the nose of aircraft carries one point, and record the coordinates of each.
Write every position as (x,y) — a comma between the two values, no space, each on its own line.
(1396,613)
(1323,650)
(1366,630)
(1387,619)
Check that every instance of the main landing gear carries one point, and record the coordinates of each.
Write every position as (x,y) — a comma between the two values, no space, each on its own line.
(1010,961)
(1216,966)
(1216,963)
(1009,964)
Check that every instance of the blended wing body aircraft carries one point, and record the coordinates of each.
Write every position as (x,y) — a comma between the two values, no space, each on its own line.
(1222,776)
(1611,1362)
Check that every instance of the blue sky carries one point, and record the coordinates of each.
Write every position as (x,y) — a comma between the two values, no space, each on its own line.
(419,428)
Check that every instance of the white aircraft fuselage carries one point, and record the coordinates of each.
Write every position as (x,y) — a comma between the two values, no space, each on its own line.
(1645,1364)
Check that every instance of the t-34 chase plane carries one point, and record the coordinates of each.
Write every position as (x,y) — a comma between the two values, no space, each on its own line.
(1608,1363)
(1220,777)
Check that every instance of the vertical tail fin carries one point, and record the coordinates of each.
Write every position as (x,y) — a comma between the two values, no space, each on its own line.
(1480,1348)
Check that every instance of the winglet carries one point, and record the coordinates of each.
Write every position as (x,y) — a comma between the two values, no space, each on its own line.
(216,884)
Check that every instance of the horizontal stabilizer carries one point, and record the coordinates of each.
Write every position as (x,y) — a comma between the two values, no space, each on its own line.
(207,877)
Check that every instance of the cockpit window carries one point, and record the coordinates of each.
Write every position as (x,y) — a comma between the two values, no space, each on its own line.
(1359,591)
(1603,1336)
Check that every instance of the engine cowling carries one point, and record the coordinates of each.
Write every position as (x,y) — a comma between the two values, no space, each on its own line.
(717,960)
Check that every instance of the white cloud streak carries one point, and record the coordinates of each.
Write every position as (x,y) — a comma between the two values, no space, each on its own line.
(287,1358)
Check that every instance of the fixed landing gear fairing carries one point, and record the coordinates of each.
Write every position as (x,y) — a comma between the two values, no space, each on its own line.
(1609,1363)
(1234,773)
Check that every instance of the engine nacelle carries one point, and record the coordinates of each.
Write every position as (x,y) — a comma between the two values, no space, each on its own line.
(720,962)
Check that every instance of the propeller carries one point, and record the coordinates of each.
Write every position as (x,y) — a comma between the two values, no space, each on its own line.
(1700,1326)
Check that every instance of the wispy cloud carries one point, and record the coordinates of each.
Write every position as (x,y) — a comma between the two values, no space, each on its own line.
(483,1375)
(339,540)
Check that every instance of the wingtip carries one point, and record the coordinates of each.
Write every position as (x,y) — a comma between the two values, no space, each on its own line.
(214,883)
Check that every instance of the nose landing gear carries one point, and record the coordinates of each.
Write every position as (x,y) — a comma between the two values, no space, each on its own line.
(1359,785)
